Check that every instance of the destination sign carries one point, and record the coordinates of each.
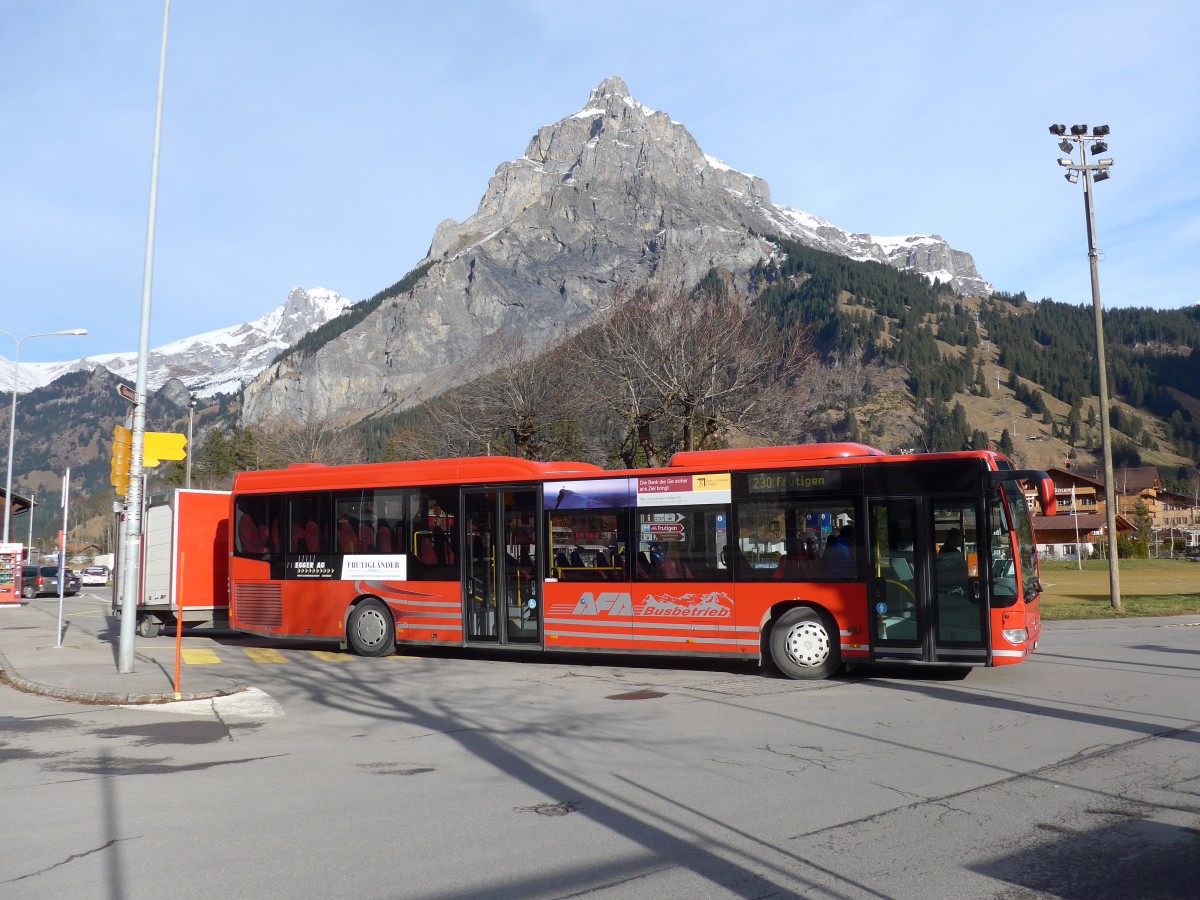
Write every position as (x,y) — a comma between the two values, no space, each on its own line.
(790,481)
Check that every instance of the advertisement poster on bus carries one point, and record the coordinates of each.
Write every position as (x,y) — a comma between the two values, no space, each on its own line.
(683,490)
(654,490)
(597,493)
(347,567)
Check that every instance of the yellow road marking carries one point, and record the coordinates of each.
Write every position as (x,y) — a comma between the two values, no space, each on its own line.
(264,655)
(200,657)
(331,656)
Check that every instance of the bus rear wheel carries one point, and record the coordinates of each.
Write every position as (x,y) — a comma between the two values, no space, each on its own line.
(805,645)
(370,630)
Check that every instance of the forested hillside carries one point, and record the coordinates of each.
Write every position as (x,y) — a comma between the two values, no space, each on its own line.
(947,349)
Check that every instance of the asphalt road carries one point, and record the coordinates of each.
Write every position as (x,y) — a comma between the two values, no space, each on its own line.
(440,775)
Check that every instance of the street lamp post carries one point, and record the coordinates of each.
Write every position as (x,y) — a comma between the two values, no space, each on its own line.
(1078,139)
(133,498)
(188,464)
(12,416)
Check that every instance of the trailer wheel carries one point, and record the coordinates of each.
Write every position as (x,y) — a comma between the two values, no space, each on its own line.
(370,629)
(148,626)
(805,645)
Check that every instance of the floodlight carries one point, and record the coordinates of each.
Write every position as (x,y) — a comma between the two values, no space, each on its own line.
(1100,130)
(1072,177)
(1101,175)
(1058,130)
(1104,163)
(1066,161)
(1099,147)
(1077,130)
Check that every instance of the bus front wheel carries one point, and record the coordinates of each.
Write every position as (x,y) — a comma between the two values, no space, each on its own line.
(805,645)
(370,631)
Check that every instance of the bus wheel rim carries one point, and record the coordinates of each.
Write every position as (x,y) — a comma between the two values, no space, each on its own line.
(807,643)
(371,628)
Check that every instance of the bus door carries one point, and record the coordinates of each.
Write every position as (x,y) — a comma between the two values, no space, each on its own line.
(501,580)
(926,596)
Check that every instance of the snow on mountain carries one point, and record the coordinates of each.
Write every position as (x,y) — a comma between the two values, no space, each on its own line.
(215,362)
(924,254)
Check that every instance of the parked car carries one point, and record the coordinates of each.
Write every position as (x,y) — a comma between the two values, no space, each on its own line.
(95,575)
(38,581)
(72,583)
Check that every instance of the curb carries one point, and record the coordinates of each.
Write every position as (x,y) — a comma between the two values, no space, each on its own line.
(105,698)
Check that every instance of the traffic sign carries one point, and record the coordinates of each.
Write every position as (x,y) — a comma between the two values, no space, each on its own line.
(662,517)
(119,469)
(160,445)
(128,393)
(661,528)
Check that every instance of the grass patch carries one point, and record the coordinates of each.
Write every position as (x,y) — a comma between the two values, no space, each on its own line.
(1174,605)
(1149,587)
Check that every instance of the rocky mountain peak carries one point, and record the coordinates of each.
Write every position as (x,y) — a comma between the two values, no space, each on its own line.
(611,198)
(612,87)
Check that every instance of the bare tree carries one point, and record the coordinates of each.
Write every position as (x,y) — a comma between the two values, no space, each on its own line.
(688,371)
(283,442)
(655,376)
(526,405)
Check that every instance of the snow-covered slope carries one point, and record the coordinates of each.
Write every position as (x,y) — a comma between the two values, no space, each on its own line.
(215,362)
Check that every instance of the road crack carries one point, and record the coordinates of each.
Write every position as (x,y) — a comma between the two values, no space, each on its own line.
(70,859)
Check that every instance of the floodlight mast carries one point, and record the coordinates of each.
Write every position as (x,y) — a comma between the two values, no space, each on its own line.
(1078,139)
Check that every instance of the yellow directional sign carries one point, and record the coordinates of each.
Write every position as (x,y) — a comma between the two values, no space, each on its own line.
(119,470)
(160,445)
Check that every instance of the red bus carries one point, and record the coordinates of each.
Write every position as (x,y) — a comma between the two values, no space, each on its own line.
(810,556)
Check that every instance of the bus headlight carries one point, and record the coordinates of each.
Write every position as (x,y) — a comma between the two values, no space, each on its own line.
(1016,636)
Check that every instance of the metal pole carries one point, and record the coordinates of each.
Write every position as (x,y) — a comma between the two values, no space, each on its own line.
(1110,507)
(131,579)
(62,560)
(191,417)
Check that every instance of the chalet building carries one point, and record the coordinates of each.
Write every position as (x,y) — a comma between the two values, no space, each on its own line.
(1076,492)
(1080,496)
(1074,537)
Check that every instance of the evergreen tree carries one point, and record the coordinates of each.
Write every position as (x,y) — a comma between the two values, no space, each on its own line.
(1006,443)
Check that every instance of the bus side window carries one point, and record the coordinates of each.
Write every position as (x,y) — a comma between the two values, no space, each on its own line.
(247,536)
(684,543)
(256,527)
(585,544)
(433,520)
(389,506)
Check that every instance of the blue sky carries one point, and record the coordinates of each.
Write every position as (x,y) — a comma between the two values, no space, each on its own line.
(319,143)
